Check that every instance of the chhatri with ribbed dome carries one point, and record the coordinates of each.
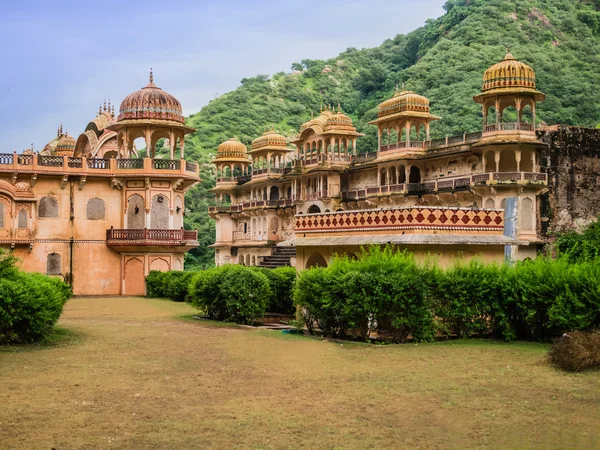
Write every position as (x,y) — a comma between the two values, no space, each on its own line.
(270,140)
(404,103)
(151,102)
(232,150)
(509,76)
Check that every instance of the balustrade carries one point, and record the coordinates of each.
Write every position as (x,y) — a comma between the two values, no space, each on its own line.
(6,159)
(50,161)
(146,234)
(166,164)
(75,163)
(130,163)
(98,163)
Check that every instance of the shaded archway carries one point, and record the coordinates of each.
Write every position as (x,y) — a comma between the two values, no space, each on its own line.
(316,260)
(527,215)
(415,175)
(314,209)
(274,193)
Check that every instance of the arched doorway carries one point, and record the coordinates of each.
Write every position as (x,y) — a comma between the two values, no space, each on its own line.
(274,193)
(135,284)
(160,264)
(314,209)
(527,214)
(316,260)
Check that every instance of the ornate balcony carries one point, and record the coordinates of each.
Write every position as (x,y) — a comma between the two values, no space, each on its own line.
(68,165)
(124,240)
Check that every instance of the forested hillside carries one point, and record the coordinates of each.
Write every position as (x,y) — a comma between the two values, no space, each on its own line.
(443,60)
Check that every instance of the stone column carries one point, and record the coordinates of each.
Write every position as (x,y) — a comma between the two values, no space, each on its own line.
(497,159)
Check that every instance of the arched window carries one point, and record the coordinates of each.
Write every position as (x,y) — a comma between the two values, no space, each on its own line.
(490,203)
(53,264)
(274,193)
(96,209)
(527,215)
(2,212)
(383,180)
(248,260)
(253,260)
(316,260)
(22,219)
(241,259)
(314,209)
(136,212)
(159,215)
(48,207)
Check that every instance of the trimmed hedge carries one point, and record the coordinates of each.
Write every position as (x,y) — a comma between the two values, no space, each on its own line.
(30,303)
(177,285)
(388,292)
(231,293)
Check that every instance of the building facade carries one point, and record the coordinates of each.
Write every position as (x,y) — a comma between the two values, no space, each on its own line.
(446,197)
(94,212)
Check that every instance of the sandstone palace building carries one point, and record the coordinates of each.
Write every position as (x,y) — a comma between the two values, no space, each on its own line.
(92,211)
(472,194)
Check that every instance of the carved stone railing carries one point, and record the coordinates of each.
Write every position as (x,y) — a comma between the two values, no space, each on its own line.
(241,236)
(16,163)
(167,164)
(151,235)
(50,161)
(508,126)
(393,219)
(98,163)
(130,163)
(75,163)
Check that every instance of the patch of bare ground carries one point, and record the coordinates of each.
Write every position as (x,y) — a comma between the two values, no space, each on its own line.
(133,374)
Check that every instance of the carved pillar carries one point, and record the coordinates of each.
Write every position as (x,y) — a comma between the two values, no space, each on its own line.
(497,159)
(149,149)
(408,133)
(518,159)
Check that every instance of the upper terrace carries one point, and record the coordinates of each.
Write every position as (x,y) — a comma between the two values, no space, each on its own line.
(98,167)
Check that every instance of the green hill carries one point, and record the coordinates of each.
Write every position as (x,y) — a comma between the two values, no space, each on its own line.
(443,60)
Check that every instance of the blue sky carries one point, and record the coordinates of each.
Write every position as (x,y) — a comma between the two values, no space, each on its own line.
(61,59)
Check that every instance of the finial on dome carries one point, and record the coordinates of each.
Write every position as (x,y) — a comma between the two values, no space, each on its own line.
(339,108)
(113,110)
(151,76)
(104,107)
(508,54)
(100,109)
(60,130)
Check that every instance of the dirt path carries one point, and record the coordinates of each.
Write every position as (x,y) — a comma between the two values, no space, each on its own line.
(135,375)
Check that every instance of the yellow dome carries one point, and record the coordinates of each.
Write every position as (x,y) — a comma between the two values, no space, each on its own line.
(403,101)
(270,140)
(509,73)
(339,121)
(232,148)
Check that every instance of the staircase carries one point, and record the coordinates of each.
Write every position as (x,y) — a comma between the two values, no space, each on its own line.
(280,257)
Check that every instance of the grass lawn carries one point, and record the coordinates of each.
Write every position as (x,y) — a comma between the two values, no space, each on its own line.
(133,373)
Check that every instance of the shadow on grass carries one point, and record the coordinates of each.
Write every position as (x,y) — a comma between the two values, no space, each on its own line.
(59,337)
(207,322)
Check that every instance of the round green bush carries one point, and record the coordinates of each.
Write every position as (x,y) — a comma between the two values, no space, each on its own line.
(30,305)
(231,292)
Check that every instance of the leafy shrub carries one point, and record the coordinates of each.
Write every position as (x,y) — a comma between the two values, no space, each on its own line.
(231,292)
(381,289)
(30,305)
(176,284)
(281,282)
(576,351)
(580,247)
(154,284)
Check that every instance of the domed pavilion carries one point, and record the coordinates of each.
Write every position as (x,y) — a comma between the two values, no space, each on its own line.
(404,114)
(509,84)
(152,114)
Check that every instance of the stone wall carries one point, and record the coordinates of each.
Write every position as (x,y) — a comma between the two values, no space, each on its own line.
(572,161)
